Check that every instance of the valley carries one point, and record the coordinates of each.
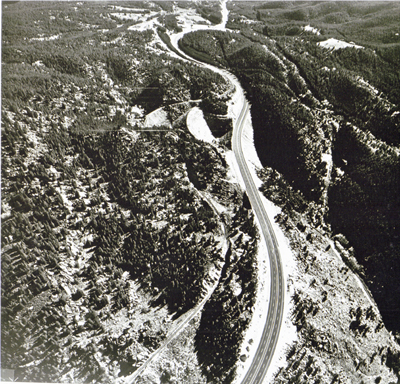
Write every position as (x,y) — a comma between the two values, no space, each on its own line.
(132,245)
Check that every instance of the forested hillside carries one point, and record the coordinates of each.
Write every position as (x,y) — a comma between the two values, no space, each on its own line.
(325,108)
(327,119)
(117,222)
(109,233)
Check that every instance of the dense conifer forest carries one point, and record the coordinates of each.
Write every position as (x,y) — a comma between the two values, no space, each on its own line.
(311,104)
(117,222)
(109,233)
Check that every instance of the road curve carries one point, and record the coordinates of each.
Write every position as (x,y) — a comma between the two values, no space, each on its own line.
(266,348)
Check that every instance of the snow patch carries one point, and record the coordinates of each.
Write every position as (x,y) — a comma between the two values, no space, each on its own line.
(133,134)
(367,85)
(245,20)
(334,44)
(122,9)
(309,28)
(198,126)
(127,16)
(339,171)
(38,63)
(137,111)
(48,38)
(157,118)
(117,96)
(327,158)
(150,24)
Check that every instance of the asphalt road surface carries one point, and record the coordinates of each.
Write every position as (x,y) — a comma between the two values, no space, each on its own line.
(265,351)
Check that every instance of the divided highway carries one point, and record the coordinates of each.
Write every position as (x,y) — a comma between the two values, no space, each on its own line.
(265,351)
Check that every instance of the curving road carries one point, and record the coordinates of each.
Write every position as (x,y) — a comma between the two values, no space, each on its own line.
(266,348)
(265,351)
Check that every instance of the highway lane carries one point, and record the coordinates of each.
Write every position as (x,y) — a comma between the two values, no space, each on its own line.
(265,351)
(266,348)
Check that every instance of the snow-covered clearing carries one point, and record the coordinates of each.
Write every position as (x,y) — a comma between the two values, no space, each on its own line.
(335,44)
(309,28)
(149,24)
(157,118)
(188,18)
(198,126)
(144,19)
(190,21)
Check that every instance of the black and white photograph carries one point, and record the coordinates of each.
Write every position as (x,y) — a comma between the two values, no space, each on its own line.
(200,192)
